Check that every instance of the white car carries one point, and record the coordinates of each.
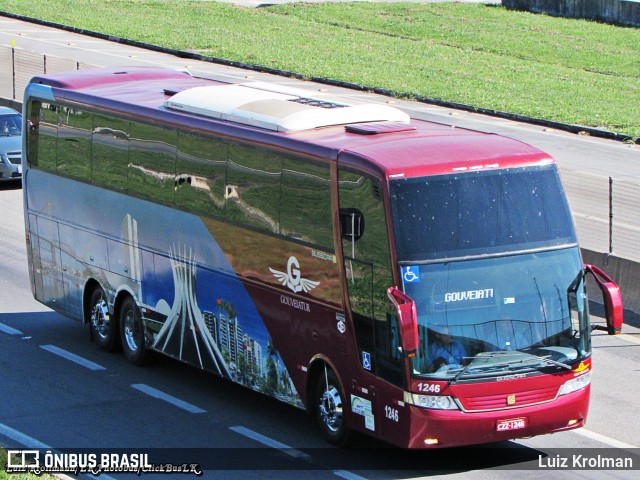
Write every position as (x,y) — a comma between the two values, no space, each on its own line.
(10,144)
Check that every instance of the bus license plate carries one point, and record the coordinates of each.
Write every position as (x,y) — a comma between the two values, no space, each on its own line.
(511,424)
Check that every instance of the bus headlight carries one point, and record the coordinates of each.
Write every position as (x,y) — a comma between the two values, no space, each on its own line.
(437,402)
(575,384)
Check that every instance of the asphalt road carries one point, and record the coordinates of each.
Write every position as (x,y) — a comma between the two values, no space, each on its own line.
(60,392)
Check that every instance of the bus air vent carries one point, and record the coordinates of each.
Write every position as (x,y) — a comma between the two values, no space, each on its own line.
(377,128)
(278,108)
(170,92)
(313,102)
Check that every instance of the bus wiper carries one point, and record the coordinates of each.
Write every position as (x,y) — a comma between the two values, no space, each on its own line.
(461,372)
(503,362)
(483,355)
(535,358)
(553,362)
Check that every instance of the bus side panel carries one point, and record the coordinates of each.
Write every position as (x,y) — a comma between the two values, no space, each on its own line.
(297,291)
(47,271)
(206,317)
(299,331)
(33,256)
(196,305)
(72,271)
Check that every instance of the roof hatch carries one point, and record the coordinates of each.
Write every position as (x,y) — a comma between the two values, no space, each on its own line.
(278,108)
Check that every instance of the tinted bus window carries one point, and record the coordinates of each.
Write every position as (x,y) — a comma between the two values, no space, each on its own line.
(33,114)
(305,211)
(200,173)
(367,264)
(110,151)
(47,136)
(74,143)
(361,197)
(252,192)
(479,213)
(152,162)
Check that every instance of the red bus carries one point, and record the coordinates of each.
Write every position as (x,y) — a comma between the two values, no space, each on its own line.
(410,280)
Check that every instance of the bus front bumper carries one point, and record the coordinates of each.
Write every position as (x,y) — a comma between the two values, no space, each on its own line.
(449,428)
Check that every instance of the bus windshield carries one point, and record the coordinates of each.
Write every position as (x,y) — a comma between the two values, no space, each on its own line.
(479,213)
(491,260)
(501,315)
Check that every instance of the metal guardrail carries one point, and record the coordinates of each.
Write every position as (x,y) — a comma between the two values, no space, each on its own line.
(606,209)
(19,66)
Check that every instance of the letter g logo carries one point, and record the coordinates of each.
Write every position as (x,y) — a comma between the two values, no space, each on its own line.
(293,271)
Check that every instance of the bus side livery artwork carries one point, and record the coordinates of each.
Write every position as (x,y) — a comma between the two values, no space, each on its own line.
(413,281)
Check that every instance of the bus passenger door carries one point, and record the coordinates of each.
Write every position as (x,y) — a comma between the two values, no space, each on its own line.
(367,264)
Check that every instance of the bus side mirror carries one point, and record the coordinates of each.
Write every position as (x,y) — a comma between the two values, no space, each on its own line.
(351,224)
(408,317)
(612,298)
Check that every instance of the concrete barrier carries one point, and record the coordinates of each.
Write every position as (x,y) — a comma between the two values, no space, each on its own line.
(626,274)
(621,12)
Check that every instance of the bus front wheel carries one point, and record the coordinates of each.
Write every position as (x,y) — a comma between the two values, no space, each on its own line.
(329,408)
(103,327)
(132,332)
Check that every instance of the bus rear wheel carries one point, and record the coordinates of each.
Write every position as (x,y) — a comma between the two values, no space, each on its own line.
(329,408)
(132,332)
(104,329)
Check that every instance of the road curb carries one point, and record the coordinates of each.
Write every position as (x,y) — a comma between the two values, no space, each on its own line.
(571,128)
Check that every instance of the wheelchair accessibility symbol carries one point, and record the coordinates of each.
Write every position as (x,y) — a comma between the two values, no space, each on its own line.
(411,274)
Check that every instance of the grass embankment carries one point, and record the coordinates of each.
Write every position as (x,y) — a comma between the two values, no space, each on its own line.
(564,70)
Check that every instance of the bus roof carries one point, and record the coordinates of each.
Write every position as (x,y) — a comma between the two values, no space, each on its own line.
(367,135)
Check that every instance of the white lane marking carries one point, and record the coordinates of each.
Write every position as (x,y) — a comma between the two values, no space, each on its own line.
(269,442)
(348,475)
(30,442)
(9,330)
(629,338)
(72,357)
(21,438)
(612,442)
(152,392)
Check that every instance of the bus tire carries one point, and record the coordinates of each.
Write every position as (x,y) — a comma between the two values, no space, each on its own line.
(104,328)
(132,332)
(330,408)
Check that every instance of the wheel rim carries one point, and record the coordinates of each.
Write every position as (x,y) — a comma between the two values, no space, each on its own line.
(131,331)
(100,320)
(331,409)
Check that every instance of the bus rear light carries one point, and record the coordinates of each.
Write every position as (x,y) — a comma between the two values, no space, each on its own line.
(575,384)
(436,402)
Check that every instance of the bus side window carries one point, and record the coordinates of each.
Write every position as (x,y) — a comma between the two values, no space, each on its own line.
(45,134)
(305,207)
(252,190)
(110,151)
(74,143)
(152,162)
(34,108)
(368,271)
(200,173)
